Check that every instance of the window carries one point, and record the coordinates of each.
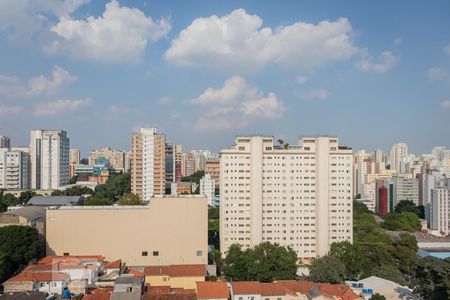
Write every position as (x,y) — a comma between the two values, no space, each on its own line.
(144,253)
(41,284)
(54,284)
(199,252)
(155,253)
(66,254)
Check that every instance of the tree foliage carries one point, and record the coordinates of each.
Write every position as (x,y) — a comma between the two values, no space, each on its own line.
(130,199)
(265,262)
(377,296)
(327,268)
(432,278)
(404,221)
(98,202)
(194,177)
(114,188)
(409,206)
(18,246)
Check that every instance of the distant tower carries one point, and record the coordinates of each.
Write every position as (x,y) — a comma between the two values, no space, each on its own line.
(5,141)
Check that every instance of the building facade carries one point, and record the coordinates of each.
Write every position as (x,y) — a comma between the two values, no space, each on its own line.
(299,197)
(207,188)
(148,163)
(116,158)
(5,142)
(440,211)
(167,231)
(212,167)
(49,154)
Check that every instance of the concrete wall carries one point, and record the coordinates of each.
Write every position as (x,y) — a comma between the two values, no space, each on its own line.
(176,227)
(188,282)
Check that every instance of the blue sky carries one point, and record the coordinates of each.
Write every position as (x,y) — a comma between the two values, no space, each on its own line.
(202,72)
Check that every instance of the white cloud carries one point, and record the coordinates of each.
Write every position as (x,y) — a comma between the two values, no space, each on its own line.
(397,41)
(120,35)
(301,79)
(445,104)
(11,86)
(20,19)
(61,106)
(9,110)
(447,49)
(164,100)
(238,41)
(234,105)
(315,95)
(386,61)
(437,73)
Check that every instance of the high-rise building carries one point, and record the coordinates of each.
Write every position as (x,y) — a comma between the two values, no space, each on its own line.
(170,163)
(178,163)
(49,154)
(188,165)
(406,187)
(17,172)
(207,188)
(440,211)
(148,163)
(398,152)
(299,197)
(382,207)
(379,156)
(212,167)
(74,159)
(3,152)
(5,141)
(116,157)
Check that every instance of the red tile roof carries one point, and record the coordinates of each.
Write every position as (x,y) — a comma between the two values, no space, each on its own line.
(114,265)
(176,270)
(98,294)
(246,288)
(68,258)
(39,276)
(339,290)
(159,290)
(136,273)
(272,289)
(209,289)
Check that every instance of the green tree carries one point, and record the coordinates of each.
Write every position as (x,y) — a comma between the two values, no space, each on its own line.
(78,191)
(389,272)
(432,278)
(26,196)
(130,199)
(327,268)
(404,221)
(213,213)
(57,193)
(18,246)
(115,187)
(359,208)
(98,202)
(194,177)
(409,206)
(265,262)
(351,256)
(10,200)
(73,180)
(377,296)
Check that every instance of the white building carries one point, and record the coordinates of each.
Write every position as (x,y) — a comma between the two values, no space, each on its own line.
(299,197)
(440,210)
(405,188)
(49,153)
(207,188)
(4,141)
(18,170)
(3,152)
(398,152)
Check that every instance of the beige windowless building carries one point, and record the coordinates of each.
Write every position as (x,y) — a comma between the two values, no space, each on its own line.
(298,196)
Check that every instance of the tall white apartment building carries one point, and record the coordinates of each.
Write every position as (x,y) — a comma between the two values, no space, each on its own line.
(49,154)
(5,142)
(3,152)
(18,170)
(299,197)
(440,211)
(398,152)
(148,163)
(406,187)
(74,159)
(207,188)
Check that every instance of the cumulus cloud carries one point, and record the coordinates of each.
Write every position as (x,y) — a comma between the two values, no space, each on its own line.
(238,41)
(120,35)
(61,106)
(235,104)
(447,49)
(315,95)
(11,86)
(20,19)
(385,61)
(445,104)
(9,110)
(437,73)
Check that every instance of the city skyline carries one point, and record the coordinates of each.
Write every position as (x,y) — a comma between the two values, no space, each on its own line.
(364,77)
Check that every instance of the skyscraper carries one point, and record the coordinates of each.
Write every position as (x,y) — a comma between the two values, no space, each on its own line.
(299,197)
(74,159)
(148,163)
(5,141)
(398,152)
(49,154)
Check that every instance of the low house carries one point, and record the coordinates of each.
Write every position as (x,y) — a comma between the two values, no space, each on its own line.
(305,290)
(210,290)
(391,290)
(128,287)
(45,282)
(56,200)
(25,216)
(252,290)
(175,276)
